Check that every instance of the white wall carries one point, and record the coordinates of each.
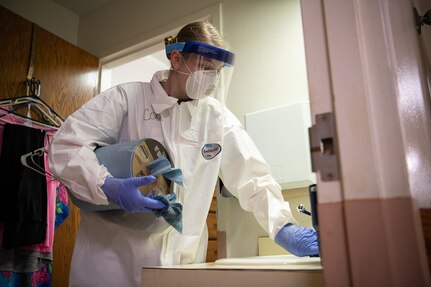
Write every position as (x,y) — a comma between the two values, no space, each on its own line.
(48,15)
(141,69)
(270,69)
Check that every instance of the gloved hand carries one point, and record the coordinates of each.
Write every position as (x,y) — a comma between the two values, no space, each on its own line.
(298,240)
(125,193)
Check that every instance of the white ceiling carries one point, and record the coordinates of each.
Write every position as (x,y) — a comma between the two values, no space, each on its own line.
(81,7)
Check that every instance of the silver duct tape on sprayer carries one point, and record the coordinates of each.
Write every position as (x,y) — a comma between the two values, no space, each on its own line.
(132,159)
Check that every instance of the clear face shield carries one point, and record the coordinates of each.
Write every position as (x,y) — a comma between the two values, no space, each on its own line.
(209,69)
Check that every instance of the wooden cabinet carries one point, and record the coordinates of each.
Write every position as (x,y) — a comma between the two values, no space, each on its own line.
(212,232)
(68,77)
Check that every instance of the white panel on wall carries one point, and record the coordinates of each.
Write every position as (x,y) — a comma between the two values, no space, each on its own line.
(281,135)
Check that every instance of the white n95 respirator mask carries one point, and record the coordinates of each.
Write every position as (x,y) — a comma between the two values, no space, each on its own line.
(201,84)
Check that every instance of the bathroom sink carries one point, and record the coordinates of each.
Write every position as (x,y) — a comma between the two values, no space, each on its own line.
(270,260)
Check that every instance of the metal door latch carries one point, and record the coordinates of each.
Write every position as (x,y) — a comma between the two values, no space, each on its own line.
(322,147)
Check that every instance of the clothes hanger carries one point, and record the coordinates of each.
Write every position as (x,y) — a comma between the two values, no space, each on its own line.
(35,167)
(8,116)
(35,104)
(32,100)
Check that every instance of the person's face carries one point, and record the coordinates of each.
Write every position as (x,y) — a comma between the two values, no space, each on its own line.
(186,64)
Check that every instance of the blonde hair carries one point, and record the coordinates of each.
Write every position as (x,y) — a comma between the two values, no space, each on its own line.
(203,32)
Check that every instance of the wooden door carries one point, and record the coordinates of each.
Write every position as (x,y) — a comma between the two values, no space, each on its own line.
(68,77)
(15,43)
(365,68)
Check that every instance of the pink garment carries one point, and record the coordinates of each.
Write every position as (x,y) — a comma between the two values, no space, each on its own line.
(52,184)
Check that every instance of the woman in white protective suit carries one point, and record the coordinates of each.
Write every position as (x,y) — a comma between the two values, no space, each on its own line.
(203,139)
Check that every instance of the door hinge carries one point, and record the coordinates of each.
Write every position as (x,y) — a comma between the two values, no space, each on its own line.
(323,147)
(421,20)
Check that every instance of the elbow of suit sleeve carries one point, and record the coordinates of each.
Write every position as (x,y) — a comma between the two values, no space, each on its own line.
(79,170)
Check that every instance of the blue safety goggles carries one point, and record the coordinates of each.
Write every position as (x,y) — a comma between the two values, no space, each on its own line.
(204,50)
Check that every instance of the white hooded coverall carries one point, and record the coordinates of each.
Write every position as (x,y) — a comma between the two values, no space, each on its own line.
(112,247)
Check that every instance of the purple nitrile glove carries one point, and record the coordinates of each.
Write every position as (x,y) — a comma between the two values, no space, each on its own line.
(125,193)
(298,240)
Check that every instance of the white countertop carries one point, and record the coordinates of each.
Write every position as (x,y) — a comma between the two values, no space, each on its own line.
(275,262)
(279,270)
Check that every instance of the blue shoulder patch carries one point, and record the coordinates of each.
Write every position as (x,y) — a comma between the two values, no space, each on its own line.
(210,151)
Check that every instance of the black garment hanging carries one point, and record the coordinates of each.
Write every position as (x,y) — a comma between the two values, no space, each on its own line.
(23,196)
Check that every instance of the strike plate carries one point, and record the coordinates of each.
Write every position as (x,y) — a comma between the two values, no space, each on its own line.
(323,147)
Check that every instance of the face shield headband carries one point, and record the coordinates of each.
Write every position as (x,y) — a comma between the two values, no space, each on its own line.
(204,50)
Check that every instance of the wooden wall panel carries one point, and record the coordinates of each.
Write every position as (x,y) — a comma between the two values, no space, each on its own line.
(68,77)
(15,43)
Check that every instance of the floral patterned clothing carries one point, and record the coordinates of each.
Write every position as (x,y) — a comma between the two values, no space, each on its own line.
(40,278)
